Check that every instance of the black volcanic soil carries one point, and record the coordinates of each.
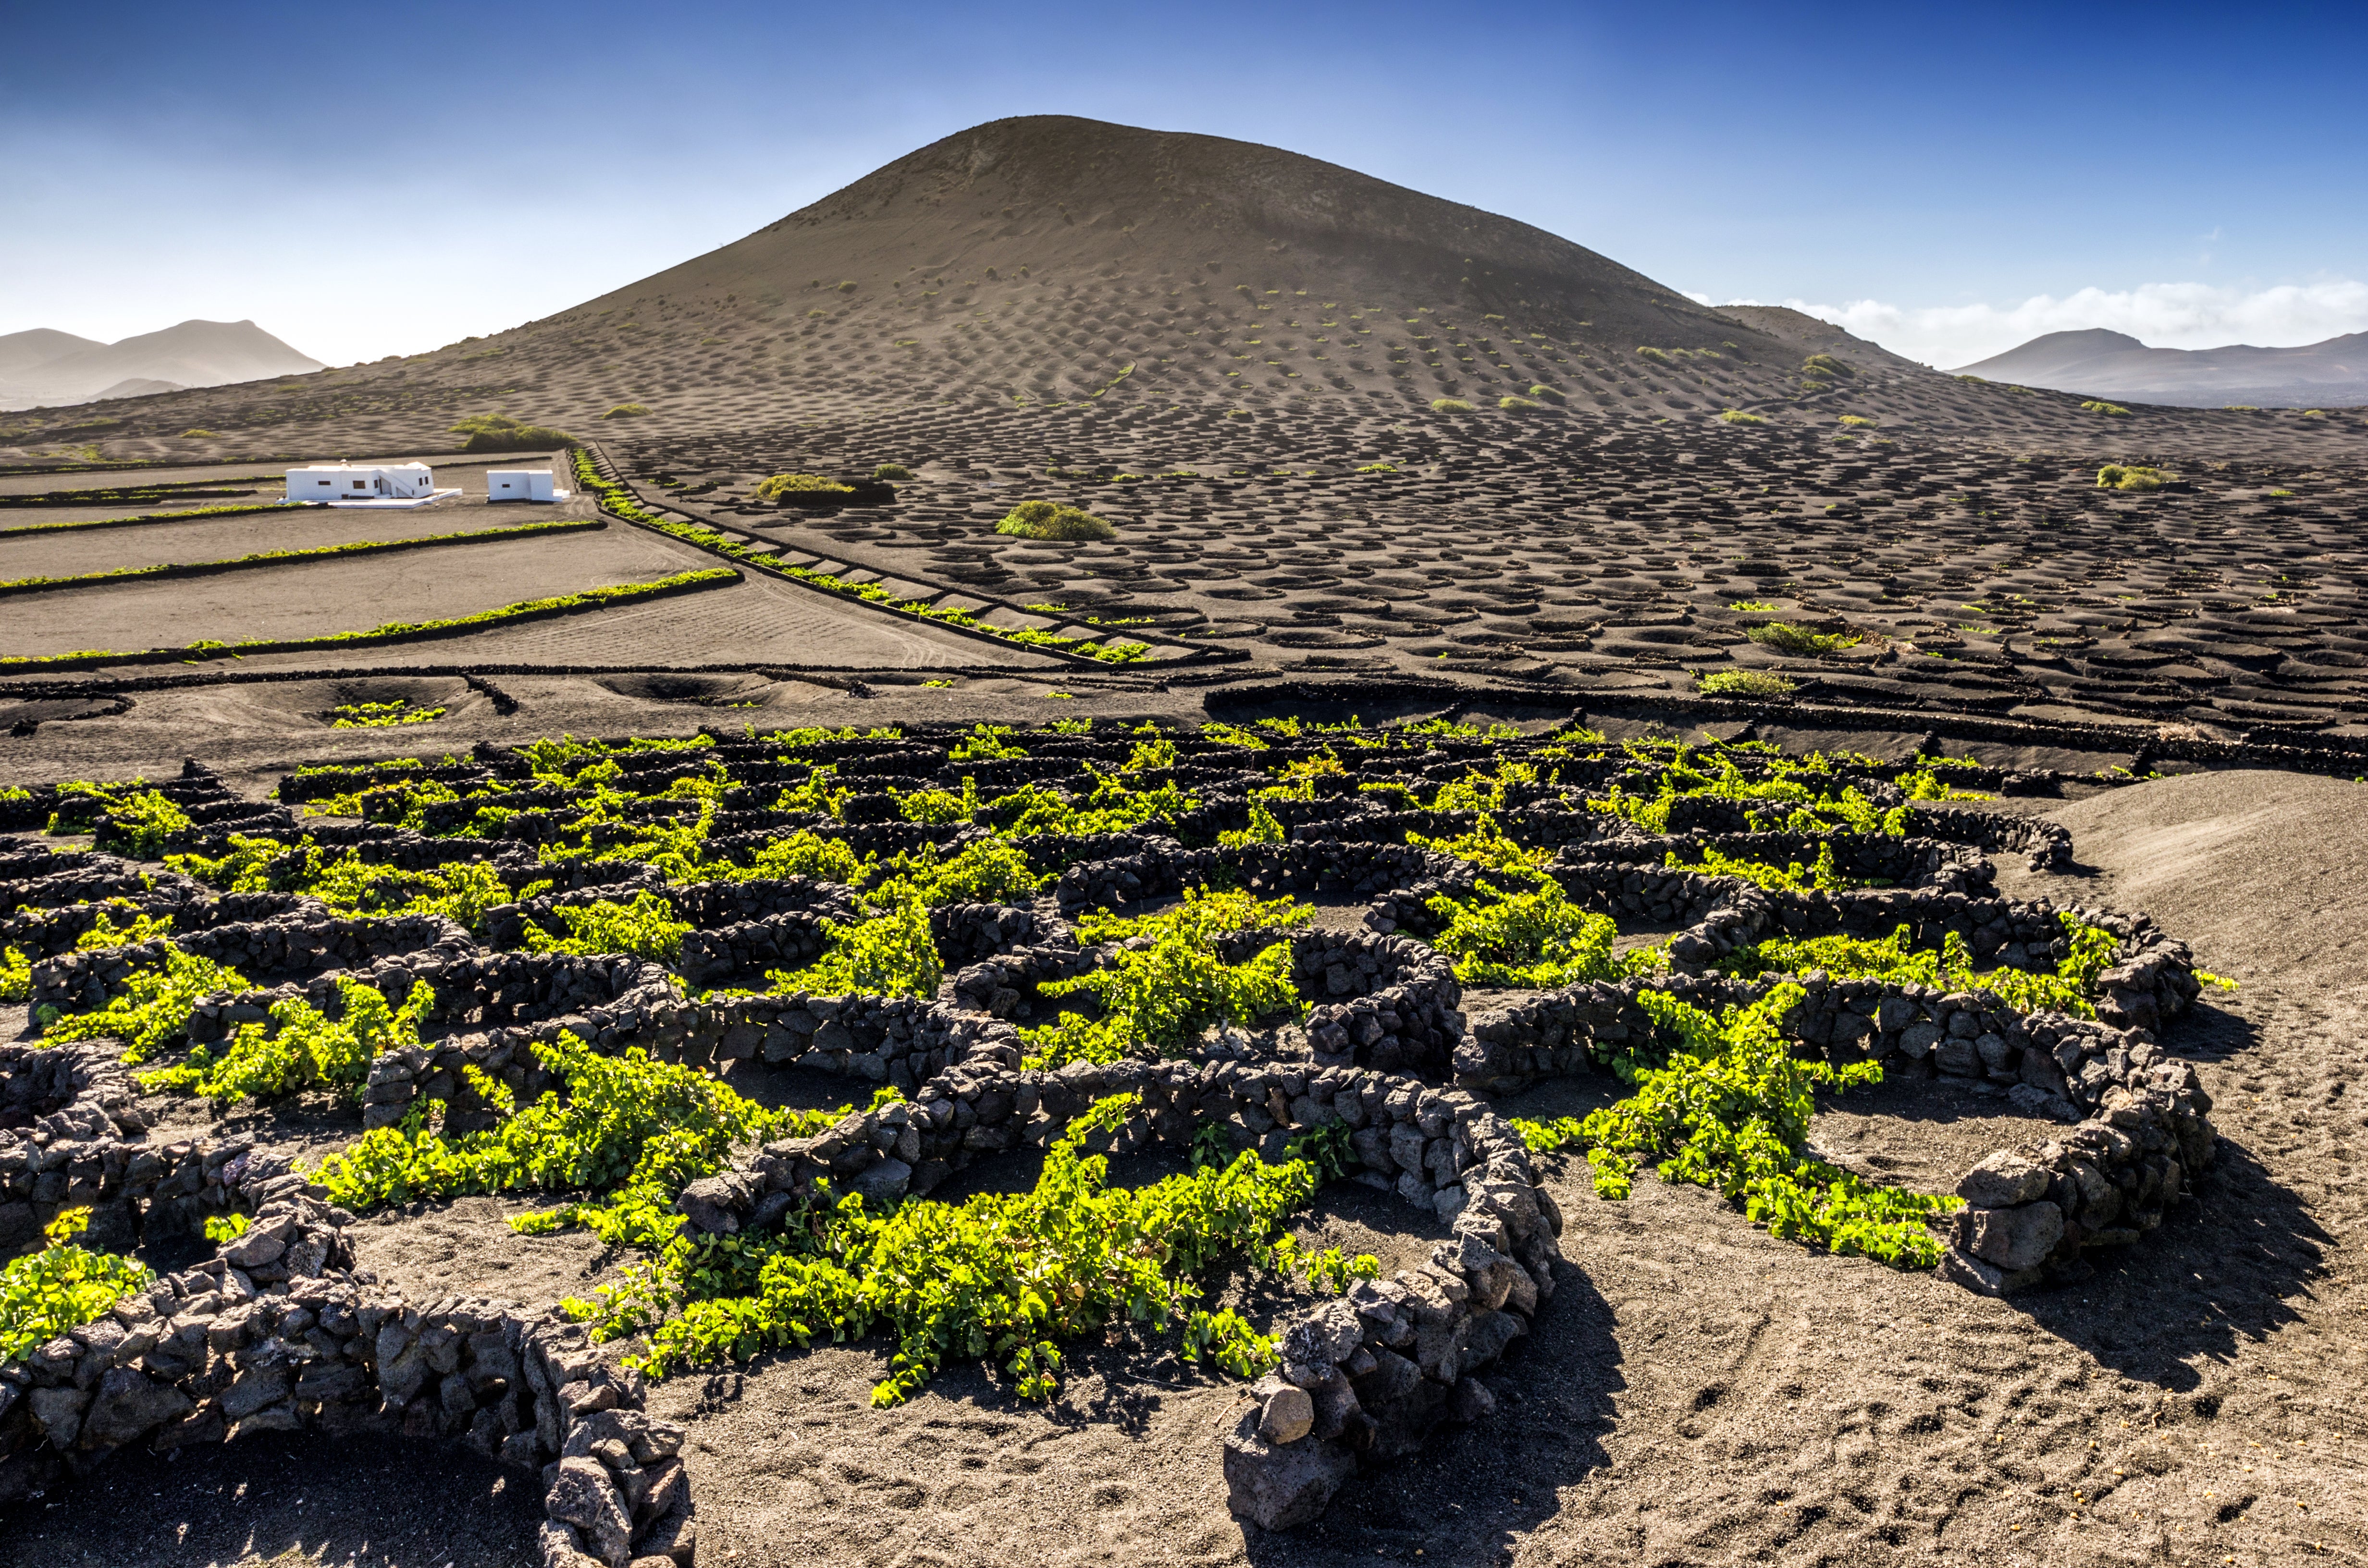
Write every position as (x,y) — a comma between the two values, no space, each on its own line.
(1696,1392)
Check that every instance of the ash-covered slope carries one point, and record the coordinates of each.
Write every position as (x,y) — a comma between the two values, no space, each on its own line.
(1051,260)
(2112,364)
(1813,334)
(1079,198)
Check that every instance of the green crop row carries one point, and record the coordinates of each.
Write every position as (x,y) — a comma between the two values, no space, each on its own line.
(393,630)
(185,515)
(284,557)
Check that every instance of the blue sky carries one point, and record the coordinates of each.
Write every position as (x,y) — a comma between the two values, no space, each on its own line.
(1947,180)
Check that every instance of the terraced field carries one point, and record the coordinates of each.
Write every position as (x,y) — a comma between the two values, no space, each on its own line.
(1076,967)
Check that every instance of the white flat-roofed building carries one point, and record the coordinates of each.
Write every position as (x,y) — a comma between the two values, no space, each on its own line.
(365,485)
(521,485)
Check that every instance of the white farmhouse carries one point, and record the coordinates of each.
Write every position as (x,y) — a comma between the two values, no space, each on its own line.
(366,485)
(521,485)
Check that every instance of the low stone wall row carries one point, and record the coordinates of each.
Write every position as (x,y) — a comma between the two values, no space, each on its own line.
(1363,1379)
(277,1332)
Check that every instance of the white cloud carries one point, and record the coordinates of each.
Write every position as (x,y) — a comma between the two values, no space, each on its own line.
(2161,315)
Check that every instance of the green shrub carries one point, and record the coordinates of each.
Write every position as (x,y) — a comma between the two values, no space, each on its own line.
(381,715)
(2098,405)
(890,955)
(1737,416)
(1050,520)
(637,1129)
(299,1047)
(199,436)
(224,1229)
(1856,419)
(1894,959)
(1002,1276)
(16,975)
(500,432)
(1156,998)
(1746,683)
(646,928)
(1825,365)
(627,411)
(2133,476)
(1821,873)
(1450,405)
(782,485)
(1533,938)
(155,1006)
(892,470)
(1731,1111)
(1786,638)
(63,1286)
(1518,402)
(1550,394)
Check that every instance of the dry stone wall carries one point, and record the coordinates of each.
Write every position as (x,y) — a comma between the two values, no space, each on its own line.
(279,1331)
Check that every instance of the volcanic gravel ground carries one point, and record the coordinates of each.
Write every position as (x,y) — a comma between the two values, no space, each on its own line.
(1696,1392)
(320,598)
(1585,552)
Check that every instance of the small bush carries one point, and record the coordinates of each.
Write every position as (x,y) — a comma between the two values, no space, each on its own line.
(1653,354)
(500,432)
(1823,364)
(2132,476)
(62,1287)
(627,411)
(1786,638)
(201,436)
(1746,683)
(381,715)
(892,470)
(1737,416)
(1754,607)
(1856,419)
(1450,405)
(1550,394)
(1050,520)
(2098,405)
(1519,403)
(782,485)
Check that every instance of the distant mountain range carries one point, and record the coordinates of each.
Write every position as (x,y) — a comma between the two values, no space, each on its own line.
(2115,365)
(46,369)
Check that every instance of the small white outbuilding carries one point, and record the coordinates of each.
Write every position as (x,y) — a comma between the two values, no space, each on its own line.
(361,481)
(521,485)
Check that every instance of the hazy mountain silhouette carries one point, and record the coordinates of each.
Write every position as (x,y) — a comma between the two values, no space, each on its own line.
(2115,365)
(194,354)
(21,351)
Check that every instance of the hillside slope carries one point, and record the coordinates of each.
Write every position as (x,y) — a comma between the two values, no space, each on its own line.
(1048,260)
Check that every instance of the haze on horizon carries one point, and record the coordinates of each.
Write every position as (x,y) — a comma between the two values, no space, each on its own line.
(1947,185)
